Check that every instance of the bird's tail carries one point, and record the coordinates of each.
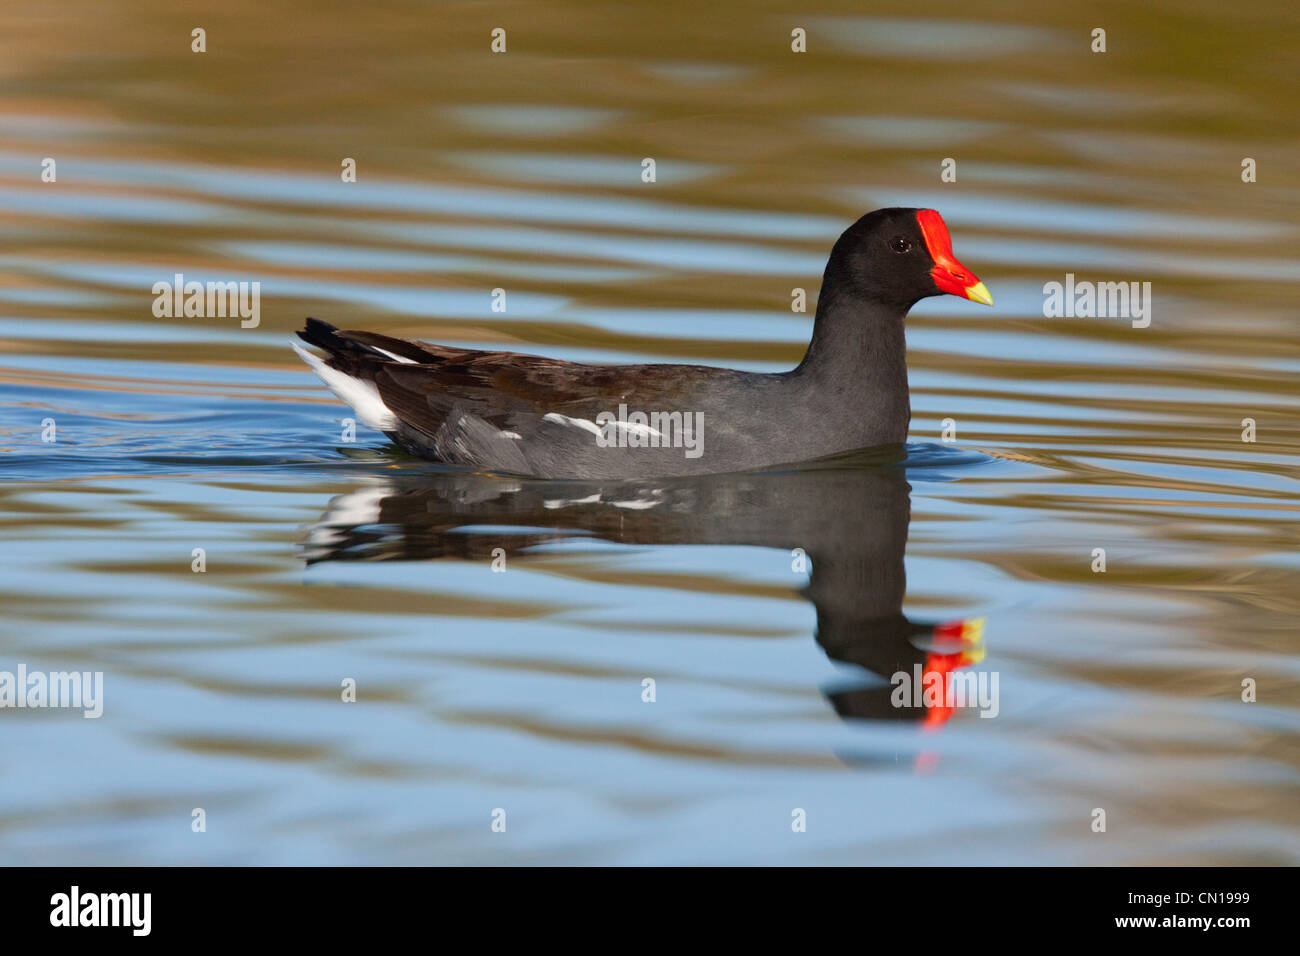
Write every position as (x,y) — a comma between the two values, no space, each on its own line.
(348,368)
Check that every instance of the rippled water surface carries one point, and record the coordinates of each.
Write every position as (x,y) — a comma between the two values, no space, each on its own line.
(769,609)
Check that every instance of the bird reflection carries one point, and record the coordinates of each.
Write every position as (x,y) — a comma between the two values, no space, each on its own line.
(848,517)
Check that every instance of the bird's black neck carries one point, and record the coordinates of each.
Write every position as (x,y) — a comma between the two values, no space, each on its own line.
(858,360)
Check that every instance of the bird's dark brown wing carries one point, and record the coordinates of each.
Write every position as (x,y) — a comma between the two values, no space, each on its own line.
(509,388)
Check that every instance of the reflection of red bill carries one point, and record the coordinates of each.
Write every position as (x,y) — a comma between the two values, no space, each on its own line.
(967,631)
(948,274)
(966,640)
(970,633)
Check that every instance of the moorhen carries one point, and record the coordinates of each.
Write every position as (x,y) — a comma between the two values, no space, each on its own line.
(548,418)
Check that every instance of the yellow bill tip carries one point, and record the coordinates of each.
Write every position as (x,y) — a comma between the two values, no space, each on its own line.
(978,293)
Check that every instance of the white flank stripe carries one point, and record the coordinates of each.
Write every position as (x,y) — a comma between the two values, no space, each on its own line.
(575,422)
(553,503)
(636,504)
(637,429)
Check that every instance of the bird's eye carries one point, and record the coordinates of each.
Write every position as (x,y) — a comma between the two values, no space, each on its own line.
(900,244)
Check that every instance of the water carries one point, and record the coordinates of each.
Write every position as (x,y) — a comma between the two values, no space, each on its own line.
(477,690)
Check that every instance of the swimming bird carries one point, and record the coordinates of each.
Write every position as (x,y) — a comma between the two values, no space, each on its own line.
(548,418)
